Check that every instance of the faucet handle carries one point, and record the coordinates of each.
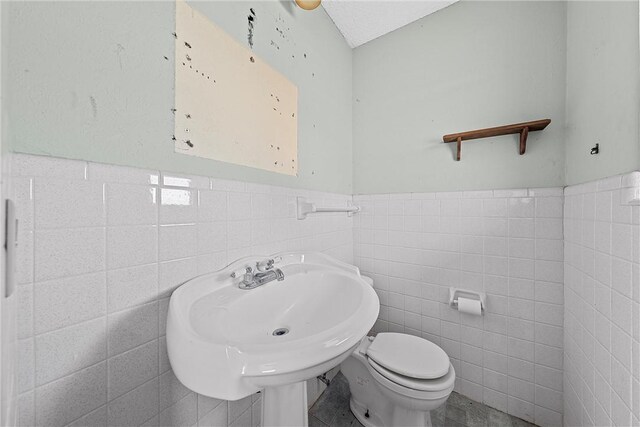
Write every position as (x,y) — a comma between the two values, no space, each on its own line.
(267,264)
(236,274)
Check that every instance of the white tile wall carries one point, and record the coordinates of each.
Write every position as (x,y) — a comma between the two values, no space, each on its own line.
(602,305)
(101,249)
(506,243)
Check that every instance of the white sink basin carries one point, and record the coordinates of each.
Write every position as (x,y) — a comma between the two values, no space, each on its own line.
(221,340)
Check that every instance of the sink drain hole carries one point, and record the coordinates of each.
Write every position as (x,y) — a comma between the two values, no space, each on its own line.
(280,331)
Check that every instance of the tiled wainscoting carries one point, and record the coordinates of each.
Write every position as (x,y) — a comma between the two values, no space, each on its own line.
(505,243)
(101,249)
(602,305)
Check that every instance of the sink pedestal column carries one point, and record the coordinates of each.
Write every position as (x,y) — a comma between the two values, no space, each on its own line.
(285,405)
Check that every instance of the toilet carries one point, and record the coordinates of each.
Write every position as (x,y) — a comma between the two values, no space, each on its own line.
(396,380)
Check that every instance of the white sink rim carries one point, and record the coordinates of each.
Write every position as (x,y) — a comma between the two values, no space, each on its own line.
(244,369)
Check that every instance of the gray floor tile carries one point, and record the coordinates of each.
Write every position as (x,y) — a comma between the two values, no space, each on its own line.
(448,422)
(455,413)
(332,410)
(517,422)
(476,413)
(477,419)
(498,418)
(458,400)
(438,416)
(314,422)
(346,419)
(324,409)
(334,400)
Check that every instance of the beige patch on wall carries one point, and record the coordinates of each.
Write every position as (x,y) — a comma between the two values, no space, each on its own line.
(229,104)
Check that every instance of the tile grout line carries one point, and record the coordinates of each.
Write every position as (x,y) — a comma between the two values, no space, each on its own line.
(32,208)
(158,201)
(106,290)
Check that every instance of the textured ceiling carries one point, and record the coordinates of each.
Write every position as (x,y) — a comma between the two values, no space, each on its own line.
(360,21)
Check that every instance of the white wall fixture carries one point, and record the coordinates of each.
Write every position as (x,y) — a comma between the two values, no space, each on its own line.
(229,337)
(11,245)
(630,192)
(305,208)
(466,301)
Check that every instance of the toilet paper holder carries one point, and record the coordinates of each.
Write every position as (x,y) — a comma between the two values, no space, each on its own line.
(454,293)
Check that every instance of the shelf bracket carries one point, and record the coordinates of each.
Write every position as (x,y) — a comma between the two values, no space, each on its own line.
(523,139)
(459,148)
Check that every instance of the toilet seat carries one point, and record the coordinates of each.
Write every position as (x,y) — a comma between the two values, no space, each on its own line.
(442,390)
(410,365)
(408,356)
(432,385)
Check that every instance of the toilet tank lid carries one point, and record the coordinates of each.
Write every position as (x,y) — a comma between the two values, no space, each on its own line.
(368,279)
(409,355)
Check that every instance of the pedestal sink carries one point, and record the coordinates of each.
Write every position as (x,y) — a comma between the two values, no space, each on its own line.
(228,343)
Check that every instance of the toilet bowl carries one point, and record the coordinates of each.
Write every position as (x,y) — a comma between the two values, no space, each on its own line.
(396,380)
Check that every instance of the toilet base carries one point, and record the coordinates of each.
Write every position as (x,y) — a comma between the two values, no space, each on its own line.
(359,411)
(422,419)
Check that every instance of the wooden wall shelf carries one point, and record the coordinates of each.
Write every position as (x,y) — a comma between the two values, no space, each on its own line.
(522,128)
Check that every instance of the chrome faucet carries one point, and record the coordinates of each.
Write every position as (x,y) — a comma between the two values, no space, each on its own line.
(265,275)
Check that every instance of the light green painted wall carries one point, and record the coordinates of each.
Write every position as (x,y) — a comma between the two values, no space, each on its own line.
(603,97)
(64,54)
(4,123)
(469,66)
